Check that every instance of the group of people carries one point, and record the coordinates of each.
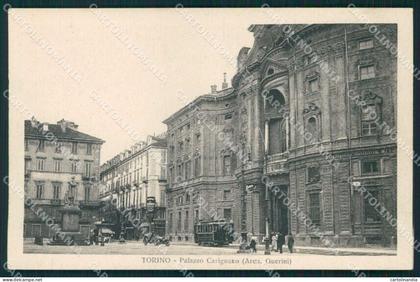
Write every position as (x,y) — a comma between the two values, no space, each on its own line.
(278,239)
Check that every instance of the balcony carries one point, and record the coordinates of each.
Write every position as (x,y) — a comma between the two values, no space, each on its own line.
(276,164)
(89,178)
(89,203)
(56,202)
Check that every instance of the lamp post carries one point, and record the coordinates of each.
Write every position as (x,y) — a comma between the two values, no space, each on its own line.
(267,200)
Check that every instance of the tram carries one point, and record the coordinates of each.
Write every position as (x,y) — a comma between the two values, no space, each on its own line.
(213,233)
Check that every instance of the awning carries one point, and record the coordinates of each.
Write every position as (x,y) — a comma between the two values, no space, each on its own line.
(105,230)
(144,224)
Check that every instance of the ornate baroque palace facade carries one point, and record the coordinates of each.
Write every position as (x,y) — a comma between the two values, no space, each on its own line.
(56,154)
(310,118)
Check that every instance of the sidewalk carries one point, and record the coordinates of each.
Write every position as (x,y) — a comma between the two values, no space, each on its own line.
(319,250)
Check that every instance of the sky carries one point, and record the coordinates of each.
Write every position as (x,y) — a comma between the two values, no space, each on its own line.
(118,74)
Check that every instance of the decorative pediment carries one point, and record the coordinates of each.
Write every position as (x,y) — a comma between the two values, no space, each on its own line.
(311,108)
(312,75)
(197,152)
(271,67)
(371,98)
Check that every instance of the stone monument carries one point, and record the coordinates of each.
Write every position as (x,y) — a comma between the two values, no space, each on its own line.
(70,215)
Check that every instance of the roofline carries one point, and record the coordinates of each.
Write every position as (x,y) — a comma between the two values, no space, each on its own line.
(131,156)
(32,136)
(201,99)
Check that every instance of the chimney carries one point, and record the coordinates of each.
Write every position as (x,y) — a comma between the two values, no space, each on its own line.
(213,88)
(34,122)
(224,84)
(45,127)
(67,124)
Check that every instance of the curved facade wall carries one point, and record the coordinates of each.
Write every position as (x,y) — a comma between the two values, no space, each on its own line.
(313,142)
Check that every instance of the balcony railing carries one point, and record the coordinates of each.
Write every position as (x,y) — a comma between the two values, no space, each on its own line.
(89,203)
(56,202)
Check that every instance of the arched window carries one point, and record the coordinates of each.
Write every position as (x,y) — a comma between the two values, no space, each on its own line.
(311,135)
(274,100)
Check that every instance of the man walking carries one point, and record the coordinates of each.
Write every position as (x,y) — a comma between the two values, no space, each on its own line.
(280,242)
(290,242)
(274,242)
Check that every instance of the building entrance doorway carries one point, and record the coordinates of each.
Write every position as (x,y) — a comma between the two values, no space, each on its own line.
(279,217)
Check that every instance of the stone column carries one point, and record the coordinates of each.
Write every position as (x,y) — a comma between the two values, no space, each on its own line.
(287,133)
(266,139)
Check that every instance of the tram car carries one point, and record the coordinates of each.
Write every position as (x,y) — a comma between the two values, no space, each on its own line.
(213,233)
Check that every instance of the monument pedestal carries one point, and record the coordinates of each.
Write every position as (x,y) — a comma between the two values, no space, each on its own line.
(70,228)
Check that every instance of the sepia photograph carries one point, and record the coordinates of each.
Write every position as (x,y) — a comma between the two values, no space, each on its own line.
(210,139)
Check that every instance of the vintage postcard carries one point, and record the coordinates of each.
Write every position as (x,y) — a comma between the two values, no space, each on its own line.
(185,139)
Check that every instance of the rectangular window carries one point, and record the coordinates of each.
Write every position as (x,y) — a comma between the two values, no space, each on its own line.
(26,145)
(227,165)
(163,171)
(197,139)
(179,221)
(369,128)
(41,164)
(370,167)
(226,195)
(188,170)
(170,223)
(196,216)
(366,44)
(74,148)
(313,85)
(74,167)
(27,165)
(197,166)
(314,208)
(57,190)
(41,146)
(227,214)
(88,149)
(57,165)
(186,221)
(88,169)
(162,198)
(368,116)
(39,191)
(371,214)
(171,175)
(367,72)
(313,175)
(87,192)
(179,172)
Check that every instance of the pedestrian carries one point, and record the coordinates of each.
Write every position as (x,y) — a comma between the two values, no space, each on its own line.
(91,237)
(253,245)
(280,242)
(290,242)
(273,242)
(95,236)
